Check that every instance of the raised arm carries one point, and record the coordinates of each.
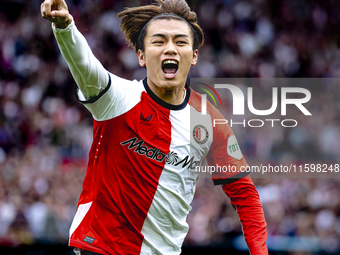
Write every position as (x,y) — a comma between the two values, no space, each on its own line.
(90,76)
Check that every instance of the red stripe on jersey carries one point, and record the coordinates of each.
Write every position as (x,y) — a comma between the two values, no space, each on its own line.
(125,163)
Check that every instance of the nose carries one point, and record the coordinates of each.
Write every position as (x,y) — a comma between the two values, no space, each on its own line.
(170,49)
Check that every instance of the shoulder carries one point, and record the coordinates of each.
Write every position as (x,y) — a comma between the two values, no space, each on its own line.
(204,107)
(120,96)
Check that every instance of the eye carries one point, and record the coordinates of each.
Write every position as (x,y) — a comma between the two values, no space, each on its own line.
(181,42)
(158,42)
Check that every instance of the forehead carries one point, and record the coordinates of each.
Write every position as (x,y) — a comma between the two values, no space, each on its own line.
(168,27)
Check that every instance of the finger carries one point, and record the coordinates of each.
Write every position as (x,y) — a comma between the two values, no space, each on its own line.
(59,14)
(49,18)
(47,7)
(42,10)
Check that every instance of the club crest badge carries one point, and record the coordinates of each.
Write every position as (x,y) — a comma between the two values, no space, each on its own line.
(200,134)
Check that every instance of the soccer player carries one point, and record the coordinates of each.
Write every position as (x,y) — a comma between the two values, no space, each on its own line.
(149,137)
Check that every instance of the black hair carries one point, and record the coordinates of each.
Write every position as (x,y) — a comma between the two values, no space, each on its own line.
(135,20)
(167,16)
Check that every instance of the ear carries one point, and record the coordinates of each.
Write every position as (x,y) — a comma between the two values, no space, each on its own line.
(194,57)
(141,58)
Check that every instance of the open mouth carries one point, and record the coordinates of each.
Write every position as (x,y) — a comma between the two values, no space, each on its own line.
(170,68)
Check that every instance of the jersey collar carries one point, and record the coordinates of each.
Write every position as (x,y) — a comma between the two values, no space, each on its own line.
(165,104)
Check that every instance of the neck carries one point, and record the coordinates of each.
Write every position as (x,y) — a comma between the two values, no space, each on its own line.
(174,96)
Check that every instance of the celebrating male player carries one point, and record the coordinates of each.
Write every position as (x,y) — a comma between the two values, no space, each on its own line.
(148,138)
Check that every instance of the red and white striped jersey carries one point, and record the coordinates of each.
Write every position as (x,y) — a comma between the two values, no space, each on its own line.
(141,173)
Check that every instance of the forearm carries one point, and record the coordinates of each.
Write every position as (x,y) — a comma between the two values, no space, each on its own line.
(89,74)
(244,196)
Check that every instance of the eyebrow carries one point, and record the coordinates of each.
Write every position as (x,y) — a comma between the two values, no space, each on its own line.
(175,36)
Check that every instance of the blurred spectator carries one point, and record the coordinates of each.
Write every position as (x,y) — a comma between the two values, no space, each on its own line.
(45,134)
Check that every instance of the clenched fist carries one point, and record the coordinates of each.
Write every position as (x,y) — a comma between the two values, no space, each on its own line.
(56,11)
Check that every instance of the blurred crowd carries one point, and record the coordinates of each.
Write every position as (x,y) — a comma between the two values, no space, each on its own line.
(45,134)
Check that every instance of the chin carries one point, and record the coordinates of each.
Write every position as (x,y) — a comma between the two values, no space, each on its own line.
(169,84)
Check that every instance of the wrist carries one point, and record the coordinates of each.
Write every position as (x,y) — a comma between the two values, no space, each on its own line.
(64,24)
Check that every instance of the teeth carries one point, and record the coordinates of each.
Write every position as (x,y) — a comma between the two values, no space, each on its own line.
(170,62)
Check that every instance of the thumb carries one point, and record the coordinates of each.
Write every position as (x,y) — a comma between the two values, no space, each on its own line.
(59,14)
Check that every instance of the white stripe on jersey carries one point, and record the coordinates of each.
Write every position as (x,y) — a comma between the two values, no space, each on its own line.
(165,226)
(80,215)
